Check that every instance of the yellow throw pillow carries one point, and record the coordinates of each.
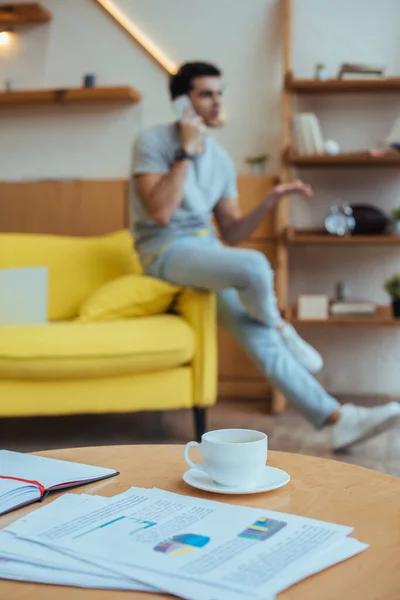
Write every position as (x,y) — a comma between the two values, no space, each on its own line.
(128,297)
(77,266)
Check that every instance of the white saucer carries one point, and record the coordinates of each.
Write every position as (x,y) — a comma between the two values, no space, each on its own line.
(271,479)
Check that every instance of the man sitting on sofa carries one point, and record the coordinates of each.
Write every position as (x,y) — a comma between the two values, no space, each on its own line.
(182,178)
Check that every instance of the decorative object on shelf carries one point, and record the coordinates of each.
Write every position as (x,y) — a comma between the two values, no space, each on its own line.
(258,163)
(331,147)
(8,85)
(340,220)
(321,72)
(308,134)
(396,220)
(342,291)
(360,71)
(313,306)
(369,220)
(393,139)
(89,80)
(392,286)
(343,304)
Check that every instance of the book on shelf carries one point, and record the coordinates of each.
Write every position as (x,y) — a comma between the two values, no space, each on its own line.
(352,307)
(360,71)
(308,134)
(25,478)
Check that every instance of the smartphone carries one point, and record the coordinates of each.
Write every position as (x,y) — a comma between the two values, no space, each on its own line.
(179,106)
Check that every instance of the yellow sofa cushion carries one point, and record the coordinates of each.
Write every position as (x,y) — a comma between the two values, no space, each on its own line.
(130,296)
(77,265)
(75,350)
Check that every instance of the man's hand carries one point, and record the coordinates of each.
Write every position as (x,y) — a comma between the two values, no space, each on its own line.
(192,132)
(287,189)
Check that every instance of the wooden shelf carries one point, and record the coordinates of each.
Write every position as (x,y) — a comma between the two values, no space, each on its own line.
(343,86)
(382,318)
(352,159)
(109,94)
(319,237)
(23,14)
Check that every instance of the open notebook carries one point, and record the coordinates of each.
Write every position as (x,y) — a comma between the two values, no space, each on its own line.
(25,478)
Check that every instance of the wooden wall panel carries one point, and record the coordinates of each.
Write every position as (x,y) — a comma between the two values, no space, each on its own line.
(251,190)
(71,207)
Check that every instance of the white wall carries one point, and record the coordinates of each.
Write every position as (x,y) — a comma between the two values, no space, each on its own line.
(244,39)
(95,141)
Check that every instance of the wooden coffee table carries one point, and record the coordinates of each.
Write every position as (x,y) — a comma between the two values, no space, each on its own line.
(319,488)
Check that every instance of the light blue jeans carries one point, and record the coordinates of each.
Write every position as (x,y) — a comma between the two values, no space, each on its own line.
(244,283)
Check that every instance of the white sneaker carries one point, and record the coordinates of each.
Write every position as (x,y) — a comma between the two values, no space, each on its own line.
(358,423)
(305,354)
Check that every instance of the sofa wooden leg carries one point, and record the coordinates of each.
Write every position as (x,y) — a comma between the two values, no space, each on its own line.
(199,415)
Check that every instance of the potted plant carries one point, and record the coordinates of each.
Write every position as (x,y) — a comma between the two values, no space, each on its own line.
(257,164)
(321,72)
(396,220)
(392,286)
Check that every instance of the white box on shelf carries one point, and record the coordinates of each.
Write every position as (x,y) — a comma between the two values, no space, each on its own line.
(313,307)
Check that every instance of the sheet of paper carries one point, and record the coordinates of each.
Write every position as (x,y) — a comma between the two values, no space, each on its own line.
(339,552)
(28,561)
(46,513)
(20,571)
(184,545)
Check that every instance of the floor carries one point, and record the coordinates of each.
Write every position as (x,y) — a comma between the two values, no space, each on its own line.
(287,432)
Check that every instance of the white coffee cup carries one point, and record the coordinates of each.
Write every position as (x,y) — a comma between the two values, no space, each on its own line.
(232,457)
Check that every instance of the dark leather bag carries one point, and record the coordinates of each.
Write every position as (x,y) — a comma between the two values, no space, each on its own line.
(369,219)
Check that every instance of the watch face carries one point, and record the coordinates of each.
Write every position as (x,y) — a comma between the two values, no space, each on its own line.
(181,154)
(336,223)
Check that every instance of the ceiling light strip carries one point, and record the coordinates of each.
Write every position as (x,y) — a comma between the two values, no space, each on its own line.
(139,36)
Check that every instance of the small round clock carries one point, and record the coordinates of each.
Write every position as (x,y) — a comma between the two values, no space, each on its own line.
(340,220)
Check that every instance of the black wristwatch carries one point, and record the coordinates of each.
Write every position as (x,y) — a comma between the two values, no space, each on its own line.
(182,154)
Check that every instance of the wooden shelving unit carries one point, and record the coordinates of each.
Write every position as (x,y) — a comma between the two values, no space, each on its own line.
(28,13)
(342,86)
(291,160)
(348,160)
(382,318)
(105,94)
(317,237)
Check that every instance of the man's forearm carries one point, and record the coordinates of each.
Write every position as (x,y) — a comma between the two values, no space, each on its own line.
(167,194)
(242,228)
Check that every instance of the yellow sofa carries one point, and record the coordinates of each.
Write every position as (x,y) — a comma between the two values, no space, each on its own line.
(159,362)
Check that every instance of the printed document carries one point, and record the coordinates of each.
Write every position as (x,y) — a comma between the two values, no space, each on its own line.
(195,548)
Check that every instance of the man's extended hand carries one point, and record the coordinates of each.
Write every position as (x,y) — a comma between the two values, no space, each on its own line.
(297,187)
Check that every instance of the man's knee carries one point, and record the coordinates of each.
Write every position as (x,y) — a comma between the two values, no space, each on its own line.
(256,266)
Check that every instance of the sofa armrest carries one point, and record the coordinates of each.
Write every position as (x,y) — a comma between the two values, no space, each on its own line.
(199,310)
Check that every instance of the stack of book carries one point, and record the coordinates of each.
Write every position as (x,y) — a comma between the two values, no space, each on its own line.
(308,134)
(352,308)
(360,71)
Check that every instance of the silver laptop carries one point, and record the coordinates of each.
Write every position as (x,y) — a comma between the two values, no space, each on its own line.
(23,296)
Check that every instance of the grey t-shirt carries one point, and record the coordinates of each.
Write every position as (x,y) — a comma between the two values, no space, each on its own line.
(211,176)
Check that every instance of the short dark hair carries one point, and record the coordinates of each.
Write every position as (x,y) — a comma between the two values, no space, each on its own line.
(181,82)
